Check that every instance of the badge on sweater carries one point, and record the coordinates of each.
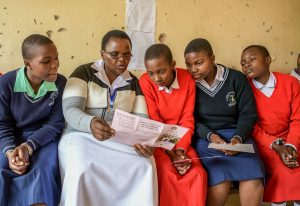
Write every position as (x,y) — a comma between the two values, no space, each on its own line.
(231,99)
(53,97)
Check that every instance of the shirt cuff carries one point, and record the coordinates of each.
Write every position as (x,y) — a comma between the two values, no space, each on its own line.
(239,137)
(33,144)
(208,136)
(8,148)
(291,145)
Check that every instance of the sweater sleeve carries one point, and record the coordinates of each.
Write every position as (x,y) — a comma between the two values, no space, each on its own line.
(187,118)
(74,101)
(6,119)
(293,136)
(246,108)
(53,126)
(262,138)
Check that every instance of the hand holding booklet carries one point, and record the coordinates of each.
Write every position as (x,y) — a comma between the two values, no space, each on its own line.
(237,147)
(132,129)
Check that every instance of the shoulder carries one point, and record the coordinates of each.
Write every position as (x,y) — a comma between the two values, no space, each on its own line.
(8,78)
(286,77)
(61,80)
(144,79)
(287,80)
(236,75)
(83,72)
(184,75)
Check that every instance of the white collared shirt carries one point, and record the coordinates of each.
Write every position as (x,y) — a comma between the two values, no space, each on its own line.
(218,79)
(174,85)
(120,81)
(295,74)
(268,88)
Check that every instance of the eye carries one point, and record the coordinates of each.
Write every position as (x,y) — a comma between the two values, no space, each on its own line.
(114,54)
(150,74)
(162,71)
(252,59)
(45,62)
(187,65)
(199,63)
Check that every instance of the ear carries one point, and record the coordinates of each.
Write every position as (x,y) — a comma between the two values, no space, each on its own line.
(173,64)
(213,58)
(268,60)
(27,63)
(101,53)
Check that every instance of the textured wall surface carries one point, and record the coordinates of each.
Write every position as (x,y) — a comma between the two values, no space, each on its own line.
(77,26)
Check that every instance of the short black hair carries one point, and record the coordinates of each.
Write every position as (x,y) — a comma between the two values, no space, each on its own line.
(31,42)
(199,45)
(156,51)
(114,33)
(263,50)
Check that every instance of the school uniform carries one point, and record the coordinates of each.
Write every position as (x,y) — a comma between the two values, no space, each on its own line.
(36,119)
(278,111)
(175,105)
(102,172)
(226,108)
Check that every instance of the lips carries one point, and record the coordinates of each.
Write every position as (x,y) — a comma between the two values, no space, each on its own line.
(249,71)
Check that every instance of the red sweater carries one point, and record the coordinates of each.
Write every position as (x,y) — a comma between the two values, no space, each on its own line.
(279,114)
(174,108)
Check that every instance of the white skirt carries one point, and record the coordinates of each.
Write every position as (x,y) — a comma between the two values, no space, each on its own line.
(104,173)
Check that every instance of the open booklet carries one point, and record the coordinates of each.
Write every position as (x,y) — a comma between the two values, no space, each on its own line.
(237,147)
(132,129)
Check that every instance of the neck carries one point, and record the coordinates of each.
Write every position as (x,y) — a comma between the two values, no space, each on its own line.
(263,79)
(211,76)
(110,75)
(172,80)
(34,82)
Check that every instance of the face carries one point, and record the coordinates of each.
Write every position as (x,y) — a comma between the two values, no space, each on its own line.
(200,64)
(116,56)
(254,64)
(43,65)
(160,71)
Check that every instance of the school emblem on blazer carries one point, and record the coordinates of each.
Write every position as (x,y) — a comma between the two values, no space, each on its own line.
(53,97)
(231,99)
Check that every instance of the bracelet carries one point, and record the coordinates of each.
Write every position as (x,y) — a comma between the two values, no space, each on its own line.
(30,151)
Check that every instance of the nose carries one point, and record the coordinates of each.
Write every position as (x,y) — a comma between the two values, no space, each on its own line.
(157,78)
(194,69)
(55,64)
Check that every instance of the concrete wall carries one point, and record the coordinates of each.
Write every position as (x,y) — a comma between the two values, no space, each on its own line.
(77,26)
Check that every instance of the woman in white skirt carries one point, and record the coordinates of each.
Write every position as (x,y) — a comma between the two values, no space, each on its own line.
(94,169)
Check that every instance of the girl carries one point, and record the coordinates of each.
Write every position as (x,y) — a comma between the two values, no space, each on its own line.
(96,170)
(223,114)
(181,181)
(31,122)
(277,132)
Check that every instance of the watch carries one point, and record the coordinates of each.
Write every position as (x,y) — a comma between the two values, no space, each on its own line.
(280,142)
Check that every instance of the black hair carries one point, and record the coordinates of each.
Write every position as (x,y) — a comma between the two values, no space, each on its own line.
(31,42)
(114,33)
(156,51)
(199,45)
(263,50)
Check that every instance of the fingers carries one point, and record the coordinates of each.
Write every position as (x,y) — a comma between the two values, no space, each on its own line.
(230,152)
(183,170)
(143,150)
(101,130)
